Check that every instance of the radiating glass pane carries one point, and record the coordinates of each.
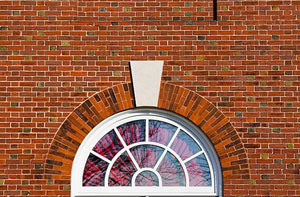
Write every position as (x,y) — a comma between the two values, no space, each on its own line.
(94,171)
(161,132)
(199,172)
(146,155)
(133,132)
(109,145)
(146,178)
(185,146)
(171,171)
(122,171)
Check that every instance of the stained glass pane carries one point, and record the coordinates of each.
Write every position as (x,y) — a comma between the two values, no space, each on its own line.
(146,178)
(146,155)
(122,171)
(133,132)
(185,146)
(171,171)
(109,145)
(94,171)
(161,132)
(199,172)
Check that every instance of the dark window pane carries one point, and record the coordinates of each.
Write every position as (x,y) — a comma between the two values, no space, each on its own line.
(122,171)
(185,146)
(94,171)
(161,132)
(109,145)
(171,171)
(146,155)
(199,172)
(146,178)
(133,132)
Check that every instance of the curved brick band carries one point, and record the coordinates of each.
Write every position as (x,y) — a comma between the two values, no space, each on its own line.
(173,98)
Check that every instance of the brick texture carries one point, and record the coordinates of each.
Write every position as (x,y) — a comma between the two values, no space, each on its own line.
(62,62)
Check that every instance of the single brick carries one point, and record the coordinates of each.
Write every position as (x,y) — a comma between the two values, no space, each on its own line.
(117,73)
(263,83)
(90,33)
(188,4)
(25,193)
(1,181)
(114,53)
(16,13)
(114,23)
(13,156)
(3,48)
(200,9)
(50,182)
(213,43)
(275,67)
(26,130)
(263,104)
(178,19)
(188,14)
(288,104)
(177,68)
(264,155)
(151,38)
(265,176)
(41,33)
(189,22)
(225,67)
(201,37)
(102,9)
(40,84)
(126,48)
(176,9)
(275,37)
(41,13)
(291,182)
(290,146)
(163,53)
(288,72)
(275,7)
(152,28)
(200,58)
(27,38)
(25,182)
(224,98)
(67,187)
(200,88)
(53,119)
(251,130)
(175,78)
(224,8)
(277,161)
(114,4)
(78,89)
(238,114)
(238,53)
(250,27)
(250,99)
(38,166)
(53,48)
(251,78)
(16,52)
(276,130)
(3,28)
(28,58)
(187,73)
(252,182)
(126,9)
(91,53)
(14,104)
(65,43)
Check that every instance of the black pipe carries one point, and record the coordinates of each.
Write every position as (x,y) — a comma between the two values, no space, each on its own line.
(215,7)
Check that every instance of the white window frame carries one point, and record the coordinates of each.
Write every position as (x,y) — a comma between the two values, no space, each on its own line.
(77,190)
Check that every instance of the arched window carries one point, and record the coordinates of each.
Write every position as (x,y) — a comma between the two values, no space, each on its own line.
(146,152)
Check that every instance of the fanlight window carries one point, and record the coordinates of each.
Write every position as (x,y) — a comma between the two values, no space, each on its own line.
(141,154)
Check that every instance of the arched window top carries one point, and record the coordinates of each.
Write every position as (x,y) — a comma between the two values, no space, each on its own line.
(146,152)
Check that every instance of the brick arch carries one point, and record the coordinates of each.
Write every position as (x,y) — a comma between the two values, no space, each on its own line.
(177,99)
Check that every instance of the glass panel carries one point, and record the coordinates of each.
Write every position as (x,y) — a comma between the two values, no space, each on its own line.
(161,132)
(171,171)
(94,171)
(146,155)
(109,145)
(199,172)
(133,132)
(146,178)
(185,146)
(122,171)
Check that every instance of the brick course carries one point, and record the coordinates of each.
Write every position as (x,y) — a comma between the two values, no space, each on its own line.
(56,54)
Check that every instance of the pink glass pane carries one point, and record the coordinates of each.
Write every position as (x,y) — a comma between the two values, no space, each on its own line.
(161,132)
(199,172)
(146,155)
(185,146)
(133,132)
(109,145)
(94,171)
(122,171)
(171,171)
(146,178)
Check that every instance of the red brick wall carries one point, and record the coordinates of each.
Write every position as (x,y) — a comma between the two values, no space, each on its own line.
(247,64)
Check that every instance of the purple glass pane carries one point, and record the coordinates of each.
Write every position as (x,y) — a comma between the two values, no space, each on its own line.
(161,132)
(133,132)
(122,171)
(171,171)
(146,155)
(109,145)
(94,171)
(185,146)
(199,172)
(146,178)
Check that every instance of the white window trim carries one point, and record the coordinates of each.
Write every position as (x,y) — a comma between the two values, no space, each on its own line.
(145,113)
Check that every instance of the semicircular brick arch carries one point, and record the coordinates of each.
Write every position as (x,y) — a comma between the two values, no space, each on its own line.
(173,98)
